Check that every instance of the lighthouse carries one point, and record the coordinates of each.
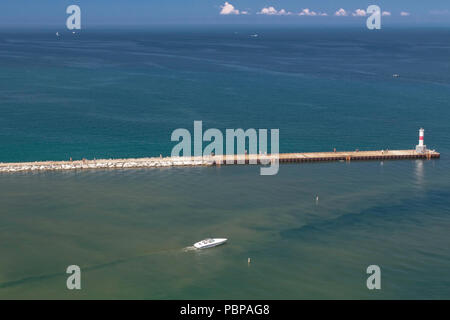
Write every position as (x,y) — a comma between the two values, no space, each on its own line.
(421,148)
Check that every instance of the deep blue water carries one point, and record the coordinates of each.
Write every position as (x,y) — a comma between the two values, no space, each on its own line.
(121,93)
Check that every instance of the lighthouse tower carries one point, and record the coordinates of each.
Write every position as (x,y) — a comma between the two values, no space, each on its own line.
(421,148)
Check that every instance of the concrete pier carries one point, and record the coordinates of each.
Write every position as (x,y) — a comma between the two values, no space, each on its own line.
(216,160)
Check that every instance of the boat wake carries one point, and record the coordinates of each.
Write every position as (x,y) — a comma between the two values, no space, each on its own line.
(86,268)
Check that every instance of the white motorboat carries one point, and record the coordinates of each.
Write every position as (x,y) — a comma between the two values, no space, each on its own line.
(209,243)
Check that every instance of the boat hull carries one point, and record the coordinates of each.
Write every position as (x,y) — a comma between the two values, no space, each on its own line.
(210,243)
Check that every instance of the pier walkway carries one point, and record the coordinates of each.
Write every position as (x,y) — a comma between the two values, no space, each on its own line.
(216,160)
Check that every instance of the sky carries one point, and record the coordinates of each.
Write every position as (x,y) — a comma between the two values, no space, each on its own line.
(148,12)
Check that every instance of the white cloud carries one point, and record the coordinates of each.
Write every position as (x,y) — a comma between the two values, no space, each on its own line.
(268,11)
(228,8)
(307,12)
(271,11)
(283,12)
(386,13)
(359,13)
(404,14)
(341,12)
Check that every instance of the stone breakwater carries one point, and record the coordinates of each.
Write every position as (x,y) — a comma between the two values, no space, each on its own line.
(106,164)
(216,160)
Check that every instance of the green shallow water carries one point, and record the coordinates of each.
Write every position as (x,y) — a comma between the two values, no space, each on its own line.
(128,231)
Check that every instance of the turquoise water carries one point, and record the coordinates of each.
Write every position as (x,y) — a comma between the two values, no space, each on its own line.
(121,93)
